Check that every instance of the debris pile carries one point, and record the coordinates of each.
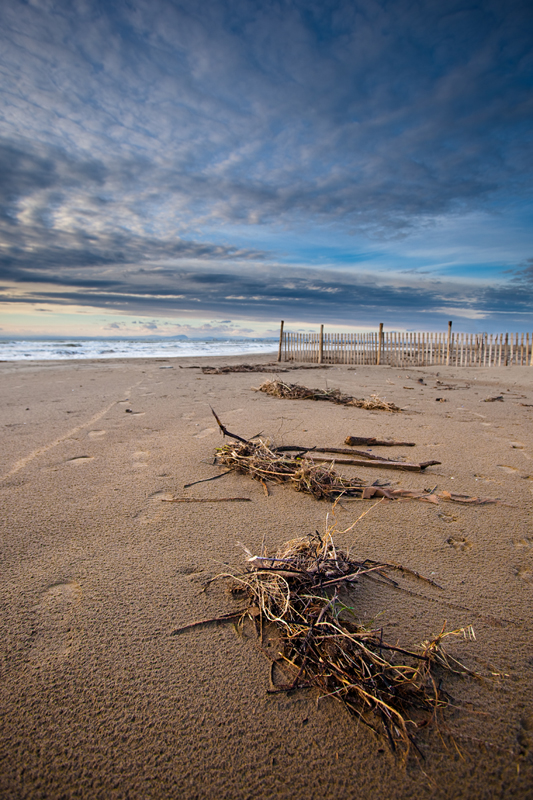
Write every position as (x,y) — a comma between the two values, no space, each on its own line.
(301,598)
(259,368)
(295,466)
(292,391)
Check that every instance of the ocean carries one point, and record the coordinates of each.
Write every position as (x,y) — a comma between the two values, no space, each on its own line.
(69,349)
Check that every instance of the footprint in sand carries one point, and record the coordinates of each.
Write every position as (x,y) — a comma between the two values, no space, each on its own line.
(459,543)
(155,508)
(204,433)
(520,446)
(446,516)
(506,468)
(96,434)
(188,569)
(524,543)
(524,573)
(52,634)
(525,734)
(480,477)
(139,459)
(161,494)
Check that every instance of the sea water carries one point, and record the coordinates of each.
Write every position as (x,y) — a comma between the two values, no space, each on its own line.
(52,349)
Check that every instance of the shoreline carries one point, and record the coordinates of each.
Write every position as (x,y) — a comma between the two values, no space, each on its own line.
(98,698)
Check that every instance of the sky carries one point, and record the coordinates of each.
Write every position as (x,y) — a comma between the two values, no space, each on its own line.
(210,168)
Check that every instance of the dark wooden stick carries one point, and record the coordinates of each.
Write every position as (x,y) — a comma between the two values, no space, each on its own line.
(206,480)
(344,451)
(353,440)
(225,431)
(207,500)
(359,462)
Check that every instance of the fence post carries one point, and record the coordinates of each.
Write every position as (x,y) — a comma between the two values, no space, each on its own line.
(321,345)
(380,344)
(449,341)
(280,340)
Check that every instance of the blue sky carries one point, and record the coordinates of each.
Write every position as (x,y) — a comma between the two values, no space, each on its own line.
(182,167)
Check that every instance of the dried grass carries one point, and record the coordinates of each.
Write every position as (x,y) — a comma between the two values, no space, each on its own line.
(265,463)
(259,368)
(292,391)
(304,592)
(262,463)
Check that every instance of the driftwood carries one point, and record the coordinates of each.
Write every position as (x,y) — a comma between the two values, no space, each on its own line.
(366,460)
(266,463)
(337,450)
(372,442)
(292,391)
(384,464)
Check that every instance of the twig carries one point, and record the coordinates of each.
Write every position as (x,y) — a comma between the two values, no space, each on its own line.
(225,431)
(206,480)
(376,442)
(206,500)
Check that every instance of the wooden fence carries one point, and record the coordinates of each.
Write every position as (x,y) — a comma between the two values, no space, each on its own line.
(408,349)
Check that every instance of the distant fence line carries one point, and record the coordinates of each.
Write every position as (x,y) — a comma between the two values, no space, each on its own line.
(408,349)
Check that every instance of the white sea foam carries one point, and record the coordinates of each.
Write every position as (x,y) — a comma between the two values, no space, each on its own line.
(68,349)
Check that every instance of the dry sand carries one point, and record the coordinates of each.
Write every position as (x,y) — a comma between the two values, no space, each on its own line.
(98,699)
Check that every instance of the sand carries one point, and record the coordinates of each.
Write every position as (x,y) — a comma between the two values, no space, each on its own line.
(99,699)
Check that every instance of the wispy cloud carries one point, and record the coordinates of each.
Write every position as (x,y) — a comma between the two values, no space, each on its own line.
(141,144)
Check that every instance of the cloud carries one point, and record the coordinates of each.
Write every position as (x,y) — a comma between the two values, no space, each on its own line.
(523,274)
(260,294)
(467,313)
(146,150)
(379,118)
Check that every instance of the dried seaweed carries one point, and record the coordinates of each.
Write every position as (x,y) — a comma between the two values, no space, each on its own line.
(258,368)
(262,463)
(292,391)
(302,594)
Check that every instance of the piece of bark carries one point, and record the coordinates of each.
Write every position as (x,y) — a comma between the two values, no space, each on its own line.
(371,441)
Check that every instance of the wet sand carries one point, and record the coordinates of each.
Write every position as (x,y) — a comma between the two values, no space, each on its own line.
(99,699)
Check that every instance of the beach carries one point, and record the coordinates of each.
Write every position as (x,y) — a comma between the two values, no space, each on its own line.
(100,697)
